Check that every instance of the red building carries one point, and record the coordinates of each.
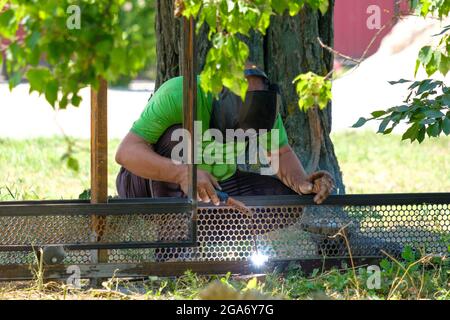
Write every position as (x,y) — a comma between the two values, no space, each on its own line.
(357,22)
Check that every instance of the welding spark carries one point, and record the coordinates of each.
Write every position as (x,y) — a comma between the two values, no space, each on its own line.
(259,259)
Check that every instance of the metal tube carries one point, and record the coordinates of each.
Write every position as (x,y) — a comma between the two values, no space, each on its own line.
(190,113)
(190,101)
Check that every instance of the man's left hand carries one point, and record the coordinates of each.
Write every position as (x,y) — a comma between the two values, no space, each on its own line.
(321,183)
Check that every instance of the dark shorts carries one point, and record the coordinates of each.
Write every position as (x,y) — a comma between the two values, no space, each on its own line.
(240,184)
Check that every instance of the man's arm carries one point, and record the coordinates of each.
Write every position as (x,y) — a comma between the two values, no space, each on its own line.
(137,156)
(293,175)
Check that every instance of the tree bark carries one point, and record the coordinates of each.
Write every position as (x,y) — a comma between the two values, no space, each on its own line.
(289,48)
(169,44)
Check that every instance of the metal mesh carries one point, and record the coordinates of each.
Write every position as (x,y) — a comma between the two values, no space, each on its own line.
(49,230)
(224,234)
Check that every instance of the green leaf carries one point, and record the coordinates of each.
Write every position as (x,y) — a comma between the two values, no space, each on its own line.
(6,21)
(433,114)
(411,133)
(399,81)
(408,254)
(38,79)
(377,114)
(384,124)
(444,66)
(280,6)
(425,55)
(388,131)
(446,99)
(73,164)
(402,108)
(76,100)
(427,86)
(15,79)
(446,126)
(323,6)
(85,195)
(252,284)
(51,92)
(33,39)
(434,130)
(361,121)
(421,135)
(63,102)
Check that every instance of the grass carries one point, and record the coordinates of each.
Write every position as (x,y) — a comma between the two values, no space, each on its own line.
(374,163)
(33,169)
(412,277)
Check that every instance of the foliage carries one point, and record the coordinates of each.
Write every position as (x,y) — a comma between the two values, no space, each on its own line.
(315,90)
(439,8)
(106,43)
(225,61)
(434,59)
(427,109)
(427,106)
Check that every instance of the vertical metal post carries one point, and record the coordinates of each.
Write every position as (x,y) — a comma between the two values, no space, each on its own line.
(99,160)
(189,72)
(190,100)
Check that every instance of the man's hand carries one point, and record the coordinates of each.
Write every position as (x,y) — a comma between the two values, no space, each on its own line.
(206,185)
(321,183)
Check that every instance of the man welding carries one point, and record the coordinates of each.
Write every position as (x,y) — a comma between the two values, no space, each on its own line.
(146,153)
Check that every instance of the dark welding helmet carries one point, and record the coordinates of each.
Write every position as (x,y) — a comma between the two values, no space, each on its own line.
(258,111)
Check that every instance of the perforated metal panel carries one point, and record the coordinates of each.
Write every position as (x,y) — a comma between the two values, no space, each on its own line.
(303,232)
(281,231)
(52,230)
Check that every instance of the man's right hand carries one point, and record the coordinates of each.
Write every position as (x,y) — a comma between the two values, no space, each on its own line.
(206,186)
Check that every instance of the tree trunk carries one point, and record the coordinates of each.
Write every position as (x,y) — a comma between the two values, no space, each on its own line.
(289,48)
(169,44)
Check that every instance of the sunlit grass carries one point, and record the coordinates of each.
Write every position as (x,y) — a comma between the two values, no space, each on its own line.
(374,163)
(33,169)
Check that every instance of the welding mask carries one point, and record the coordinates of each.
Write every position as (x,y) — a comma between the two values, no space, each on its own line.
(258,111)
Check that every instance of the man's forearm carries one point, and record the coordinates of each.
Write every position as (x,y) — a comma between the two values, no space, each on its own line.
(139,158)
(293,175)
(290,171)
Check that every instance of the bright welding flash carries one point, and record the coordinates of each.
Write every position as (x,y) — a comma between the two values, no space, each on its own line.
(259,259)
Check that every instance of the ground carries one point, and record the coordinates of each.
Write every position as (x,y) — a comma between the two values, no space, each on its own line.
(425,278)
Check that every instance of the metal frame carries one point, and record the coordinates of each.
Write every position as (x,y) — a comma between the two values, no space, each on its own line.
(143,269)
(113,207)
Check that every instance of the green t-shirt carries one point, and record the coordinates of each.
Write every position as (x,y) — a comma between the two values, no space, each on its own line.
(165,109)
